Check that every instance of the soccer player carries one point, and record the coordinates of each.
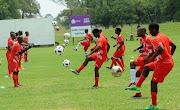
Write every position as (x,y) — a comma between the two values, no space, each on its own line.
(8,53)
(147,48)
(26,41)
(98,55)
(86,43)
(161,67)
(120,50)
(16,52)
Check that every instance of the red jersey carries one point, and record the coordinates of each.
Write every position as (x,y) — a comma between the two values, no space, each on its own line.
(25,39)
(88,37)
(141,40)
(161,39)
(120,39)
(14,52)
(9,38)
(102,52)
(102,34)
(10,43)
(16,38)
(147,45)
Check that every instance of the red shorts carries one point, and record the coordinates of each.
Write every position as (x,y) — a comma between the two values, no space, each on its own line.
(8,54)
(86,45)
(14,66)
(118,54)
(161,69)
(98,62)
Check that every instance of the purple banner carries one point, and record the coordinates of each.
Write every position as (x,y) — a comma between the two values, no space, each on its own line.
(82,20)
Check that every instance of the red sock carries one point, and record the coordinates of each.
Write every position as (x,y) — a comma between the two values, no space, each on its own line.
(80,68)
(96,81)
(141,80)
(9,69)
(25,58)
(15,78)
(122,61)
(114,62)
(120,64)
(154,98)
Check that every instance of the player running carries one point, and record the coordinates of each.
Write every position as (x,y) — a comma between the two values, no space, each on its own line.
(161,67)
(86,43)
(16,52)
(147,49)
(120,50)
(8,53)
(98,55)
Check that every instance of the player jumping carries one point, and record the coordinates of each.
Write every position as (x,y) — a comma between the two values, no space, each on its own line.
(161,67)
(98,55)
(86,43)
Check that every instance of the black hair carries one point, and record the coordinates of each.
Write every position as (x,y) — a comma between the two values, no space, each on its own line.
(138,26)
(17,33)
(20,37)
(86,29)
(13,34)
(95,31)
(26,32)
(154,25)
(119,29)
(20,32)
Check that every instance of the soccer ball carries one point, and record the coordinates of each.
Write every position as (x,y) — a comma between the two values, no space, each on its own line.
(63,45)
(57,28)
(67,36)
(95,39)
(116,71)
(66,41)
(66,63)
(54,23)
(59,50)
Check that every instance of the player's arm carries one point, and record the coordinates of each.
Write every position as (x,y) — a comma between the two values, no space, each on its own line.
(22,51)
(108,47)
(113,37)
(120,45)
(114,45)
(95,50)
(148,57)
(173,45)
(160,49)
(9,48)
(138,48)
(82,40)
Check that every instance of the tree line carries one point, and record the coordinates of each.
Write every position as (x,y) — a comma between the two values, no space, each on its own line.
(16,9)
(118,12)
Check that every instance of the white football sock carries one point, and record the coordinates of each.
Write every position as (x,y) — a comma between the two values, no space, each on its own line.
(133,75)
(78,45)
(85,52)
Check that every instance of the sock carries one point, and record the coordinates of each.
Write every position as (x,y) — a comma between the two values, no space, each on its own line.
(122,61)
(15,78)
(120,64)
(113,62)
(78,45)
(85,52)
(133,75)
(154,98)
(141,80)
(25,58)
(96,81)
(80,68)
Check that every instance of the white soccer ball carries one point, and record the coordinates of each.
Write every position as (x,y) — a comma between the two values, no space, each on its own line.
(63,45)
(54,23)
(67,36)
(95,39)
(66,63)
(66,41)
(57,28)
(59,50)
(116,71)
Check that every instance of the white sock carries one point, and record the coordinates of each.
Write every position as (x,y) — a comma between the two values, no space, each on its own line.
(137,79)
(133,75)
(78,45)
(85,52)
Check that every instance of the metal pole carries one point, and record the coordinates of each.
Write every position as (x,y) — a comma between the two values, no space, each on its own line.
(73,37)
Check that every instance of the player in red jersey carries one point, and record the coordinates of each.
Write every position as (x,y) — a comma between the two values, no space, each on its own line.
(26,41)
(161,67)
(120,50)
(148,48)
(16,52)
(8,53)
(98,55)
(86,43)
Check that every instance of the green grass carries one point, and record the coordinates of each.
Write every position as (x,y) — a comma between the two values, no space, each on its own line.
(49,85)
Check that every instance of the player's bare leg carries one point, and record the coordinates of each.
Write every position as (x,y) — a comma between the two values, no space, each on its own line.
(82,66)
(96,77)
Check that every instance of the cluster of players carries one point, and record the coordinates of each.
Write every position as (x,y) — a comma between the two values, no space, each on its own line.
(17,45)
(156,55)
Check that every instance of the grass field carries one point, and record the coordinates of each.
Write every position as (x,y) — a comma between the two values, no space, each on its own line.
(49,85)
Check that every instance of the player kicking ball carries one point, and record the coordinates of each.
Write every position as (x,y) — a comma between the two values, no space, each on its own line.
(16,52)
(120,50)
(86,43)
(161,67)
(98,55)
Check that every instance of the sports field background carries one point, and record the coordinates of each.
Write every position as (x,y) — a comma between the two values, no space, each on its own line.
(49,85)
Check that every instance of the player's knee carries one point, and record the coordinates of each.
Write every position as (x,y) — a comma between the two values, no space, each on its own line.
(132,65)
(138,74)
(154,86)
(121,57)
(112,58)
